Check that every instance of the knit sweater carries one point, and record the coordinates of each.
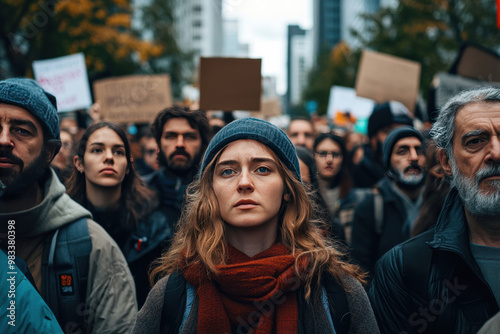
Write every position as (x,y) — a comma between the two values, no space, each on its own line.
(149,317)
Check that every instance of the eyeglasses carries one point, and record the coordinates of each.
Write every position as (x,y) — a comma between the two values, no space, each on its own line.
(325,154)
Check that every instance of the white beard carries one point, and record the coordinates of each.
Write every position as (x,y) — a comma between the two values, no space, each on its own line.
(476,202)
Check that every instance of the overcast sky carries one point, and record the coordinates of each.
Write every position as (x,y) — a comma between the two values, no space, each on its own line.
(263,25)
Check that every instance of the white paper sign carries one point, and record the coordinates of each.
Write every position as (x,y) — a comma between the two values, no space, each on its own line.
(65,78)
(344,99)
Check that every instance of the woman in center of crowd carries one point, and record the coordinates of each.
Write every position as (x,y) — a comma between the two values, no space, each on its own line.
(253,259)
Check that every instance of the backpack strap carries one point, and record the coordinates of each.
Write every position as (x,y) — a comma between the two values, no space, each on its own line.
(65,268)
(417,258)
(174,304)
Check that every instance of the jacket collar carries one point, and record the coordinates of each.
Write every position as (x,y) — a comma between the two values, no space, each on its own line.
(451,231)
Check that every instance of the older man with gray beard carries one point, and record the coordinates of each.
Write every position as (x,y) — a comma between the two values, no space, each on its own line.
(446,280)
(385,218)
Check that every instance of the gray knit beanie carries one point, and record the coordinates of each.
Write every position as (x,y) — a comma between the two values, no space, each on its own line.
(259,130)
(27,94)
(393,137)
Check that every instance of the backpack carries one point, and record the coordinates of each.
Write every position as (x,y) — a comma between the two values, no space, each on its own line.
(173,316)
(65,268)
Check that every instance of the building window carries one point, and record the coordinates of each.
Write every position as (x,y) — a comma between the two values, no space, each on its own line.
(196,23)
(196,8)
(196,37)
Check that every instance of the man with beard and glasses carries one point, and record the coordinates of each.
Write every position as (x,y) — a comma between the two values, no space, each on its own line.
(384,219)
(182,136)
(445,280)
(385,117)
(76,266)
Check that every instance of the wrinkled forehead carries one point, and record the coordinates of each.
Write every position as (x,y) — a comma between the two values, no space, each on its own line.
(477,117)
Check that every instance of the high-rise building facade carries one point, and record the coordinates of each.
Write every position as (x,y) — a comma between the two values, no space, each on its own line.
(231,47)
(299,63)
(327,24)
(198,26)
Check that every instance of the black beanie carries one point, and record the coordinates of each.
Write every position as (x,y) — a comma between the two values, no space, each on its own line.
(386,114)
(392,139)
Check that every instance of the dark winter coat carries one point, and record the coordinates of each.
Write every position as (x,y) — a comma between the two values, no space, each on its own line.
(367,244)
(451,297)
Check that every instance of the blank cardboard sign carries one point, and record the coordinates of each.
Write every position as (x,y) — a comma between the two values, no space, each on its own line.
(382,77)
(479,64)
(134,98)
(230,84)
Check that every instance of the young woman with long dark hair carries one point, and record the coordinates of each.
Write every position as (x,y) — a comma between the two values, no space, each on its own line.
(105,182)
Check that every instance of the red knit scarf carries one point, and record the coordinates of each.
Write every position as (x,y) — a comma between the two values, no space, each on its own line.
(256,293)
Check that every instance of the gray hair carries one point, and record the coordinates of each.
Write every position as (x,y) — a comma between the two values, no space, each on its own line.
(443,129)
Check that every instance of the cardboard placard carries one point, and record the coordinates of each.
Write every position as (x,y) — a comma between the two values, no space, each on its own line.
(230,84)
(66,79)
(479,64)
(382,77)
(344,99)
(134,98)
(450,85)
(270,107)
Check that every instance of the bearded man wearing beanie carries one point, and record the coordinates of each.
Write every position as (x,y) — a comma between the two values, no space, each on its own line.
(77,268)
(384,118)
(384,219)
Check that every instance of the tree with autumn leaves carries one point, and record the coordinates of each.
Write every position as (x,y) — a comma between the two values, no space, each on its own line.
(101,29)
(430,32)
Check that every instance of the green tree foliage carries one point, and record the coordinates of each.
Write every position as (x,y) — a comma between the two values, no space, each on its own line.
(101,29)
(431,32)
(333,68)
(158,21)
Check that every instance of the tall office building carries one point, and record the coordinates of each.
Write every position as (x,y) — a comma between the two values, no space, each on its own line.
(231,47)
(351,18)
(327,25)
(299,63)
(198,25)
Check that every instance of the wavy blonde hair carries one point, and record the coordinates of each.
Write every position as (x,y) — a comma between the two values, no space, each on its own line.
(201,232)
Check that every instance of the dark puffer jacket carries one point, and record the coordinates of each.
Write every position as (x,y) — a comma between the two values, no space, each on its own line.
(450,297)
(367,244)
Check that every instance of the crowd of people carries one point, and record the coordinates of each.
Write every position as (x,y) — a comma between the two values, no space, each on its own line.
(190,225)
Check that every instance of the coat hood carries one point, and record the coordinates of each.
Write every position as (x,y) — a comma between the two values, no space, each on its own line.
(56,209)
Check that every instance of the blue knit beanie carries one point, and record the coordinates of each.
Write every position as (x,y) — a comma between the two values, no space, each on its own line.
(259,130)
(393,137)
(27,94)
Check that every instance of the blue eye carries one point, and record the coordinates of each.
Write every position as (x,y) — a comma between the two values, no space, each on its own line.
(226,172)
(263,170)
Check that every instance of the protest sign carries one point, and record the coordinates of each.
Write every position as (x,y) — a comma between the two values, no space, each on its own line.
(449,85)
(66,79)
(344,100)
(270,107)
(478,63)
(382,77)
(134,98)
(230,84)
